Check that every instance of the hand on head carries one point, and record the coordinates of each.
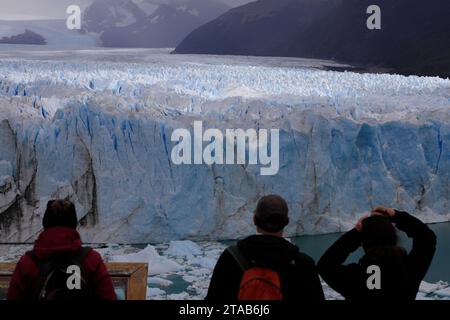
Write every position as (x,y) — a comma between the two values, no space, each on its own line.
(388,212)
(378,211)
(358,225)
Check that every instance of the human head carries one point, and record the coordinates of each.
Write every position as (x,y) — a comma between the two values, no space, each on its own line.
(378,231)
(60,213)
(271,214)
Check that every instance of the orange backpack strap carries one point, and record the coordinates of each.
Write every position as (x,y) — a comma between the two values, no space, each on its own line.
(239,257)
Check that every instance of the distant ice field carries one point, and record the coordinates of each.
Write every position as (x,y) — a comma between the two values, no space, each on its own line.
(139,73)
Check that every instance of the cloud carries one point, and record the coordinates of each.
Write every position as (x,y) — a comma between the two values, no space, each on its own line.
(54,9)
(37,9)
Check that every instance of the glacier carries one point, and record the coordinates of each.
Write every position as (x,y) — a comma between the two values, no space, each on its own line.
(94,126)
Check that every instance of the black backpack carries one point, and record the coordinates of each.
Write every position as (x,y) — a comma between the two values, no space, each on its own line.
(53,277)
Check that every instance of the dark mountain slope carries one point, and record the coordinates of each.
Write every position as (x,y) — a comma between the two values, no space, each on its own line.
(415,35)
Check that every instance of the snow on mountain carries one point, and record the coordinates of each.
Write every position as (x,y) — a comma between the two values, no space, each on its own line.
(146,6)
(148,23)
(98,132)
(55,33)
(119,23)
(103,15)
(128,18)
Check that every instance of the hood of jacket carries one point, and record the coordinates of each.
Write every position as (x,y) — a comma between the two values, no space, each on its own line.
(57,241)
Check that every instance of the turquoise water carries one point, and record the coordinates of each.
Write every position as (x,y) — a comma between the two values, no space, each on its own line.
(316,245)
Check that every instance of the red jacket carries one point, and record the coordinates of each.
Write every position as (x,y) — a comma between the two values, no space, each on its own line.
(51,242)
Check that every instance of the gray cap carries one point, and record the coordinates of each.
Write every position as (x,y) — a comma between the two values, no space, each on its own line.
(272,213)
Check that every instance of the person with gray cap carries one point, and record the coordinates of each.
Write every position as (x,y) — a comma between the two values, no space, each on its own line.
(265,266)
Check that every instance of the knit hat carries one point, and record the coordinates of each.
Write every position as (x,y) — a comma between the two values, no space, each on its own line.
(60,213)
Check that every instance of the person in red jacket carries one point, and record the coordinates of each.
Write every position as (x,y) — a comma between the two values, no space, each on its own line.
(59,239)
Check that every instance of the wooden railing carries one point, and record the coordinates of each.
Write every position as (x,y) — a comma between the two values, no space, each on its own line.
(129,279)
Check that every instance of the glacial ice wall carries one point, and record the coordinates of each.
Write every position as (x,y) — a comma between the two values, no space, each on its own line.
(99,134)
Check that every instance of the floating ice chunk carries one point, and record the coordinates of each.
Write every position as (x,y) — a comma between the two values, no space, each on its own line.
(200,272)
(159,281)
(205,262)
(189,278)
(427,287)
(156,263)
(154,293)
(443,292)
(329,293)
(183,249)
(179,296)
(423,296)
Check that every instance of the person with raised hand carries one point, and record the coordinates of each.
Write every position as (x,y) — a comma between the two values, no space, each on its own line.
(386,271)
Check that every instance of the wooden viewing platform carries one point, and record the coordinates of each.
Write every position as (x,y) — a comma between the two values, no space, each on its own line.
(129,279)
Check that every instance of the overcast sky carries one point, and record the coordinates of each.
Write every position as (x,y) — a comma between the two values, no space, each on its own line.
(53,9)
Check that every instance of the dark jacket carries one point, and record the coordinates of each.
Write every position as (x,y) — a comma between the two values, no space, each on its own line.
(50,243)
(400,281)
(298,282)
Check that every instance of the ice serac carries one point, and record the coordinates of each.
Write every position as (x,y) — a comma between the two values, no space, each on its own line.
(99,135)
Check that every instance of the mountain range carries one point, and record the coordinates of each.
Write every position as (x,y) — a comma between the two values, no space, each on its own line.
(148,23)
(120,23)
(27,36)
